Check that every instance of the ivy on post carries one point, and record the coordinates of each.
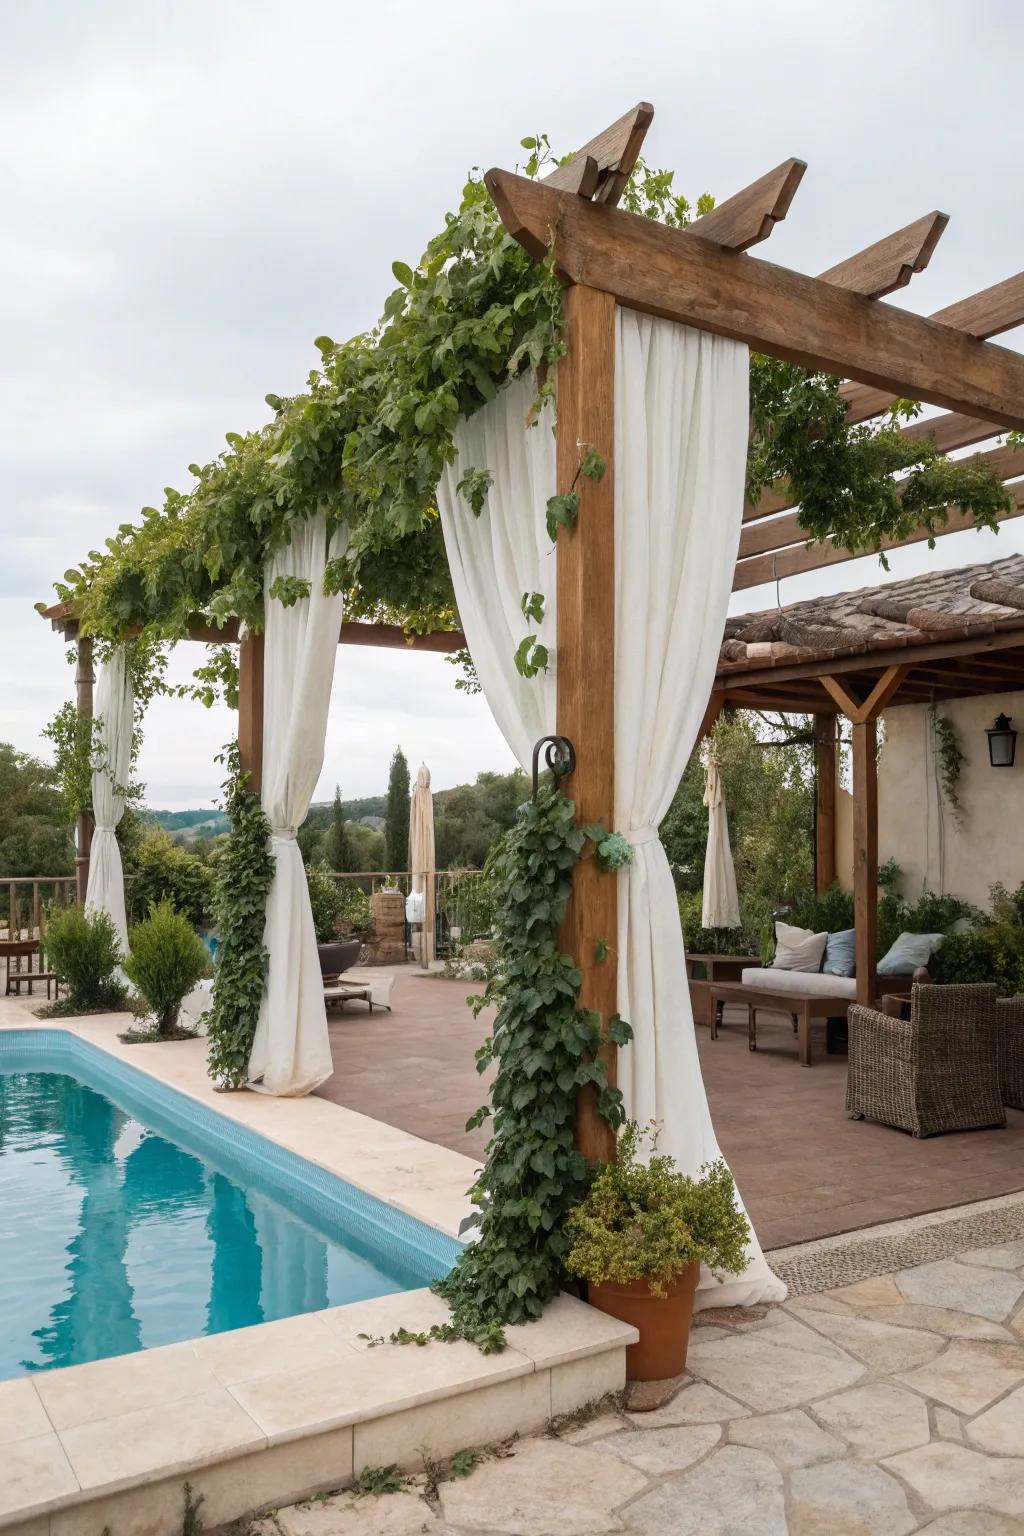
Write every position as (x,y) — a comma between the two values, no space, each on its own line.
(585,617)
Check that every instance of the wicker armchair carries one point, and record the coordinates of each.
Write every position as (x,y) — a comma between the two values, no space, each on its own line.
(936,1071)
(1010,1017)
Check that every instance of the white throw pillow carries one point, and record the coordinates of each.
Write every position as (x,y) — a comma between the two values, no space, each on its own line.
(798,949)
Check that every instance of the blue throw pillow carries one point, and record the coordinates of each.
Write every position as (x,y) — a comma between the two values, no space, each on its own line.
(909,951)
(840,953)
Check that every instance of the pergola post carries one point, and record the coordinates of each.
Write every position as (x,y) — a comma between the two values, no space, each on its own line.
(863,717)
(84,680)
(865,856)
(250,708)
(824,801)
(585,709)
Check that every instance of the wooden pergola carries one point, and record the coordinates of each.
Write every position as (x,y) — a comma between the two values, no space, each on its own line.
(703,277)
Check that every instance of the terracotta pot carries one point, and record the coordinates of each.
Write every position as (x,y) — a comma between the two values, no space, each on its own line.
(663,1322)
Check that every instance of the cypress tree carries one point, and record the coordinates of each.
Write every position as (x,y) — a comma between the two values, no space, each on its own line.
(396,821)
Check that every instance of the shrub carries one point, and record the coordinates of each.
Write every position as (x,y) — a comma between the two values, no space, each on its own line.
(167,959)
(84,949)
(355,914)
(162,871)
(993,950)
(829,911)
(326,902)
(712,941)
(647,1221)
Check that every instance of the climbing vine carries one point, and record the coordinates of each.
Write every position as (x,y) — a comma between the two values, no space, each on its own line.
(245,869)
(545,1048)
(368,438)
(950,759)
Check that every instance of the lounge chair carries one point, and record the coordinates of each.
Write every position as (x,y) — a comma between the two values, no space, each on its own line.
(936,1071)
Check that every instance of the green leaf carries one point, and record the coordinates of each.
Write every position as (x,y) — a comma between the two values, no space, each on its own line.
(403,273)
(562,512)
(593,465)
(601,951)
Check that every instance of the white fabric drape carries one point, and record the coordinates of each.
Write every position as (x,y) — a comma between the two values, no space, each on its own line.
(721,907)
(497,557)
(112,761)
(680,450)
(291,1053)
(681,421)
(421,857)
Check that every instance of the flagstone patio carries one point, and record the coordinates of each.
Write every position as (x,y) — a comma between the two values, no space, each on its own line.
(805,1170)
(892,1406)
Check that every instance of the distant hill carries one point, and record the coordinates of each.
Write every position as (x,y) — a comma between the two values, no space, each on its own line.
(208,823)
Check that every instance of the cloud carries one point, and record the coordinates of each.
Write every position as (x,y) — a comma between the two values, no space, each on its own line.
(193,192)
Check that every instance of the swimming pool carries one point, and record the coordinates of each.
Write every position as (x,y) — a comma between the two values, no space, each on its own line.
(132,1216)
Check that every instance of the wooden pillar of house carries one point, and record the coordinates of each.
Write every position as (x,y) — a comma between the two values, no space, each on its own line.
(585,640)
(865,855)
(84,680)
(863,717)
(250,708)
(824,801)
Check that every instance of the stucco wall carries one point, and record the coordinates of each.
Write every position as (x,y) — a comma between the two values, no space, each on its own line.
(915,825)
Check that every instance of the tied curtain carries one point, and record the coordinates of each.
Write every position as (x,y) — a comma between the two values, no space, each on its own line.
(681,422)
(721,907)
(421,859)
(291,1053)
(111,766)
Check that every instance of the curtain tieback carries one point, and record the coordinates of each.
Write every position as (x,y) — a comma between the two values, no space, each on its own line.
(637,836)
(284,834)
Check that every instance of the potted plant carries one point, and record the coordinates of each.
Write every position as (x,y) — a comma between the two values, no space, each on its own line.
(639,1237)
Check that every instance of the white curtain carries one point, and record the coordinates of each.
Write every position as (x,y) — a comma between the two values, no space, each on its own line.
(505,552)
(681,422)
(421,858)
(112,761)
(721,907)
(291,1053)
(680,452)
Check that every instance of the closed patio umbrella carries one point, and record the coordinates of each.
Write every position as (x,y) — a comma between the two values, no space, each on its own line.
(721,904)
(421,857)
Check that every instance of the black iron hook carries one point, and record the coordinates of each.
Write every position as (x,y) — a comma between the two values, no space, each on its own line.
(559,758)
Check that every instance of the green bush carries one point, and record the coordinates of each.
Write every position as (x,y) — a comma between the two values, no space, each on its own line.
(647,1221)
(326,902)
(85,951)
(713,941)
(355,914)
(167,957)
(829,911)
(160,870)
(993,950)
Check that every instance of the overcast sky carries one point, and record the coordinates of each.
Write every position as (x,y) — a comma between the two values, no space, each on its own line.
(193,191)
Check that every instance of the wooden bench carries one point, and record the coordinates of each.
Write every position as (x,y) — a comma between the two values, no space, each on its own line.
(716,968)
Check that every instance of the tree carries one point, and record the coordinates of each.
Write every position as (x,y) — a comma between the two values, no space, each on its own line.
(769,797)
(337,847)
(35,836)
(396,818)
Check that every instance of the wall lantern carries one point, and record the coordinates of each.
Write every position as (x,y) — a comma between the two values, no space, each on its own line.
(1002,742)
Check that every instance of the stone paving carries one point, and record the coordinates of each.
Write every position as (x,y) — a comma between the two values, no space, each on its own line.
(890,1406)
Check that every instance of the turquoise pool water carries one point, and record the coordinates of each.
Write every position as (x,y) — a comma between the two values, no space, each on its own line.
(131,1216)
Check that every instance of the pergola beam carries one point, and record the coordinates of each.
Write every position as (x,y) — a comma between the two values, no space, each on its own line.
(983,315)
(772,566)
(686,278)
(749,216)
(890,263)
(783,532)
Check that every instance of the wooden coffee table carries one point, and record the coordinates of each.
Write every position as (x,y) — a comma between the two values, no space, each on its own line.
(800,1009)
